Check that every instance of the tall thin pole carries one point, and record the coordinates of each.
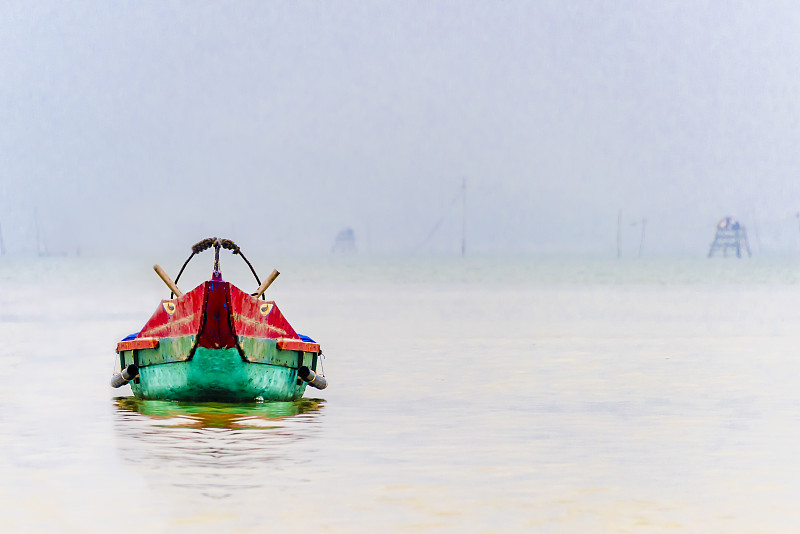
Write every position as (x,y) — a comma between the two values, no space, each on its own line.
(41,246)
(619,234)
(464,217)
(641,241)
(38,236)
(755,229)
(798,220)
(2,244)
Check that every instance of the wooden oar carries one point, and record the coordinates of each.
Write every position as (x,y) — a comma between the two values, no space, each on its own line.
(266,283)
(167,280)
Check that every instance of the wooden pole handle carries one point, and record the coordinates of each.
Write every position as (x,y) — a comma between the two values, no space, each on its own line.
(167,280)
(266,283)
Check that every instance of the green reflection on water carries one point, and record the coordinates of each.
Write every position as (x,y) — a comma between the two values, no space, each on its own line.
(216,414)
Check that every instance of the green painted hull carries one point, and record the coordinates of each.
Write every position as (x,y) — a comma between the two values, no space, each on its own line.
(219,375)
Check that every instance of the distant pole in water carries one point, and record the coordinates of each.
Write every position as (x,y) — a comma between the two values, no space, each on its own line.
(619,234)
(446,213)
(755,231)
(41,246)
(797,215)
(2,244)
(641,241)
(464,217)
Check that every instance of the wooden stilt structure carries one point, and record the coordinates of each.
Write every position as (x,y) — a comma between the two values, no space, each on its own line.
(732,235)
(345,241)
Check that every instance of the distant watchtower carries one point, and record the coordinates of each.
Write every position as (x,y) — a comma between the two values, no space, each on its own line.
(345,241)
(730,235)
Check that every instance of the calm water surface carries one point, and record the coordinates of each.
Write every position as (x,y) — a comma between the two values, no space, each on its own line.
(485,395)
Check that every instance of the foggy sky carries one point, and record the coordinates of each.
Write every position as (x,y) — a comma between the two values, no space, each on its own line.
(134,126)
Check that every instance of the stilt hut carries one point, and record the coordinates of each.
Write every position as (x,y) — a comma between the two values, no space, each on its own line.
(730,235)
(345,241)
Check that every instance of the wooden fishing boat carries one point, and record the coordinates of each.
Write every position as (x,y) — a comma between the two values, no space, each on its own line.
(218,343)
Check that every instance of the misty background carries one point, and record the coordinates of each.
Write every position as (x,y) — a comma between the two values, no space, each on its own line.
(133,127)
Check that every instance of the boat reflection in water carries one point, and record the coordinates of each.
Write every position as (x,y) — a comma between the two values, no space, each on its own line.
(216,450)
